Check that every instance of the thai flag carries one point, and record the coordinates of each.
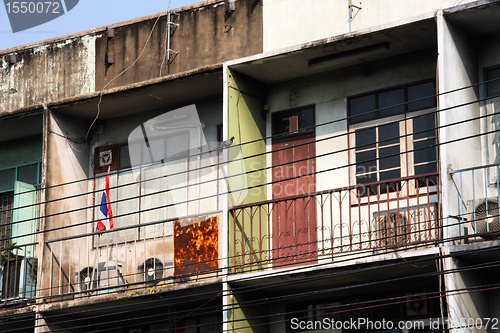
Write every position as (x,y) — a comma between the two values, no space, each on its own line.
(105,212)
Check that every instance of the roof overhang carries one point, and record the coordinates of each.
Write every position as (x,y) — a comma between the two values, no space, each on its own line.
(412,35)
(480,18)
(168,91)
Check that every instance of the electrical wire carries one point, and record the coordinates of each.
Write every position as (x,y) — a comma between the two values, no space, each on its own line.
(455,141)
(270,167)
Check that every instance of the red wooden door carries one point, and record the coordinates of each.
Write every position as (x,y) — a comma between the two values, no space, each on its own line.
(294,236)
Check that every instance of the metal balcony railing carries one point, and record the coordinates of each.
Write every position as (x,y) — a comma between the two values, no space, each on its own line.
(320,226)
(131,258)
(475,198)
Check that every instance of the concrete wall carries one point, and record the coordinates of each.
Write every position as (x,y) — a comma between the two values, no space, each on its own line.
(47,73)
(458,68)
(291,22)
(489,56)
(206,35)
(75,65)
(466,305)
(66,211)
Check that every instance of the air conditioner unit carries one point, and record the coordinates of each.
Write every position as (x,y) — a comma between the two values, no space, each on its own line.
(399,227)
(393,230)
(106,278)
(152,270)
(18,279)
(482,217)
(88,279)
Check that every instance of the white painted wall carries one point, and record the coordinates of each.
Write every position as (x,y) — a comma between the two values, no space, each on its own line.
(458,64)
(291,22)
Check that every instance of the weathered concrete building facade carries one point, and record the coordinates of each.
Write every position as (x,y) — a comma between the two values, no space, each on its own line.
(360,180)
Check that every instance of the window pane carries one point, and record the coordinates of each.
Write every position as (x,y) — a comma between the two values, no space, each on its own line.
(421,91)
(365,138)
(388,134)
(493,87)
(306,119)
(393,174)
(363,191)
(426,168)
(124,157)
(424,127)
(178,146)
(389,158)
(153,151)
(390,98)
(362,109)
(7,178)
(28,174)
(365,162)
(393,186)
(425,151)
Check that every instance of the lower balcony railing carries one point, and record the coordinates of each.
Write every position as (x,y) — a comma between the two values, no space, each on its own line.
(320,226)
(135,258)
(18,273)
(475,197)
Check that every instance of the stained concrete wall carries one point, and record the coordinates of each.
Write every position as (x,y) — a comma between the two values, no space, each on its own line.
(75,65)
(47,73)
(291,22)
(206,35)
(67,200)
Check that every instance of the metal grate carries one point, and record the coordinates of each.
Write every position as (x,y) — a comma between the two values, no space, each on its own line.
(6,204)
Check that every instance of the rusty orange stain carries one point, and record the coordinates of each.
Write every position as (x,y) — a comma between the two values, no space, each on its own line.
(196,245)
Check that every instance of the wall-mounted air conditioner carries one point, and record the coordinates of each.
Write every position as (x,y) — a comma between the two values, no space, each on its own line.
(107,277)
(18,279)
(405,225)
(482,218)
(153,270)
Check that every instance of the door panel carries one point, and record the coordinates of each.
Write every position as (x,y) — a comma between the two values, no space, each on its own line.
(24,232)
(294,219)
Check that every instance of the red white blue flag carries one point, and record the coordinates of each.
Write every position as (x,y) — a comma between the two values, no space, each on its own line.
(105,213)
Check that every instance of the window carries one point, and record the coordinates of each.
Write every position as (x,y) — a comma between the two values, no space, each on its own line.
(394,135)
(6,204)
(163,160)
(492,77)
(14,181)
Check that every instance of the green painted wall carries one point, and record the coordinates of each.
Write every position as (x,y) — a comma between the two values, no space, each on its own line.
(20,151)
(247,227)
(258,322)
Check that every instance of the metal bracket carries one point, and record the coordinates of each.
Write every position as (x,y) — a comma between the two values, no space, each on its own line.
(109,59)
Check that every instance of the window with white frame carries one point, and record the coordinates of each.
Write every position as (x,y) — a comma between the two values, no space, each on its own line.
(393,135)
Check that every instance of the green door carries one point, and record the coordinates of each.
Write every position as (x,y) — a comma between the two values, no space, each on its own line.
(24,218)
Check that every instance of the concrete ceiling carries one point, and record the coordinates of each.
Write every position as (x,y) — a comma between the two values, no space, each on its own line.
(481,18)
(341,51)
(21,125)
(130,100)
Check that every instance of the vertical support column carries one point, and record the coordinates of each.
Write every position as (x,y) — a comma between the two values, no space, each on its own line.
(223,228)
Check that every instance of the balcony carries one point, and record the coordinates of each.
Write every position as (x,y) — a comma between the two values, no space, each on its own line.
(329,225)
(474,196)
(101,263)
